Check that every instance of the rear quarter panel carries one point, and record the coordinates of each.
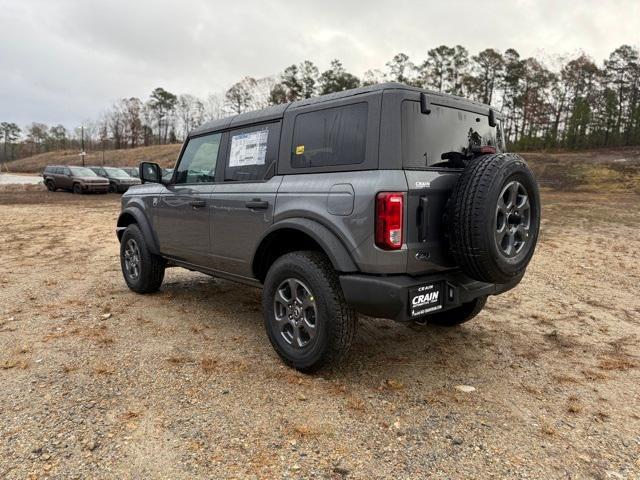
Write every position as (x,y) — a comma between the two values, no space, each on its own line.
(324,198)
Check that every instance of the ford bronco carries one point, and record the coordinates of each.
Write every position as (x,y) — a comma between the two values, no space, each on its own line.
(388,201)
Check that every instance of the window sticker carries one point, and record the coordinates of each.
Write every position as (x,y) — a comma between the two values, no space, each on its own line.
(299,149)
(248,149)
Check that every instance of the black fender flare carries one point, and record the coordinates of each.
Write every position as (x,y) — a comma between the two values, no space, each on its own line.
(138,216)
(328,241)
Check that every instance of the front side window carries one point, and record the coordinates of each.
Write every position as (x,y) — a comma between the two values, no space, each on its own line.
(330,137)
(198,162)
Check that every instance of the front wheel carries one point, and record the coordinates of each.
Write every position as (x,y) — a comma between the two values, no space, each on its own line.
(77,189)
(112,188)
(307,319)
(143,271)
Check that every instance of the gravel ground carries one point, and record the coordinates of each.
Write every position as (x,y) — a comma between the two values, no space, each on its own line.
(98,382)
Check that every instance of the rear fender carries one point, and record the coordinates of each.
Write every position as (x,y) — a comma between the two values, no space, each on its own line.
(325,238)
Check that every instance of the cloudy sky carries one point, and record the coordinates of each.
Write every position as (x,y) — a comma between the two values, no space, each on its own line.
(64,61)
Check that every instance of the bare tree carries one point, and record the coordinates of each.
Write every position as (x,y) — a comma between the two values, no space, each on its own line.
(240,96)
(214,107)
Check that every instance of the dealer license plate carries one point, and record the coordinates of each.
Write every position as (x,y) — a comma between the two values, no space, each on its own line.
(425,299)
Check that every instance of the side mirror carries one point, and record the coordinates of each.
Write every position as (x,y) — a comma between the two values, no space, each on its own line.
(150,173)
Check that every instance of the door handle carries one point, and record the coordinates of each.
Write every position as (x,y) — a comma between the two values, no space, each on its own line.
(257,204)
(198,203)
(423,219)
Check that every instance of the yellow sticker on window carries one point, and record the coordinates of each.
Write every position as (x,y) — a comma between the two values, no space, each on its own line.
(299,149)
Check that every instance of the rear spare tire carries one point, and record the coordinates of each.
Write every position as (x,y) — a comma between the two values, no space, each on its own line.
(493,218)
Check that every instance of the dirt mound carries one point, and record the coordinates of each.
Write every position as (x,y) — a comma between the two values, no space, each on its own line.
(165,155)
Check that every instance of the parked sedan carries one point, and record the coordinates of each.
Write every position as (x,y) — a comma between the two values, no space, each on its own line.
(119,180)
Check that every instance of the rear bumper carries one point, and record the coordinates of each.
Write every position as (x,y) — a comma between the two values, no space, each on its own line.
(388,296)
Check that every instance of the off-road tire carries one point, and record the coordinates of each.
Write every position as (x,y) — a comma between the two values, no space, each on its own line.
(112,188)
(50,185)
(151,268)
(77,189)
(471,218)
(336,323)
(458,315)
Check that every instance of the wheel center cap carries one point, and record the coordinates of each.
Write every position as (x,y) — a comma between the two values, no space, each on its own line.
(297,312)
(514,219)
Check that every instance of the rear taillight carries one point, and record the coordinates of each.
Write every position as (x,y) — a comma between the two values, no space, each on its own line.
(389,208)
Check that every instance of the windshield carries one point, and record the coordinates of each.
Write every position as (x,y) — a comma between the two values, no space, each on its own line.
(425,138)
(83,172)
(116,173)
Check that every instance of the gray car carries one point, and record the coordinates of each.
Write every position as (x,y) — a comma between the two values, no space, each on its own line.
(388,201)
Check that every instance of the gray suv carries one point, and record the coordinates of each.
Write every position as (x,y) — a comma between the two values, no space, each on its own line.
(388,201)
(75,179)
(119,179)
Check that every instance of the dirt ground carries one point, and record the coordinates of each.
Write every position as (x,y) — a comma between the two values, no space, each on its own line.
(98,382)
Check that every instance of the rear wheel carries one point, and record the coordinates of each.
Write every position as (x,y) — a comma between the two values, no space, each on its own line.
(455,316)
(143,271)
(308,322)
(77,189)
(50,185)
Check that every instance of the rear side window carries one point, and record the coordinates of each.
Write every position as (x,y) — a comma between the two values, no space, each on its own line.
(198,162)
(330,137)
(252,150)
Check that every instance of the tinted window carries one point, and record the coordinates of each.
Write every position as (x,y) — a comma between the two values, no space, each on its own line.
(425,138)
(334,136)
(66,171)
(251,152)
(198,162)
(57,170)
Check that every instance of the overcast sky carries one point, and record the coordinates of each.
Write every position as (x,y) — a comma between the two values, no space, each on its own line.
(65,61)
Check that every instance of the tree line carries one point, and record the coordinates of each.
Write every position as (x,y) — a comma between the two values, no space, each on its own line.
(579,104)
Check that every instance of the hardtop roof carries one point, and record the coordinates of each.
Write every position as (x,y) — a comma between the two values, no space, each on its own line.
(276,112)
